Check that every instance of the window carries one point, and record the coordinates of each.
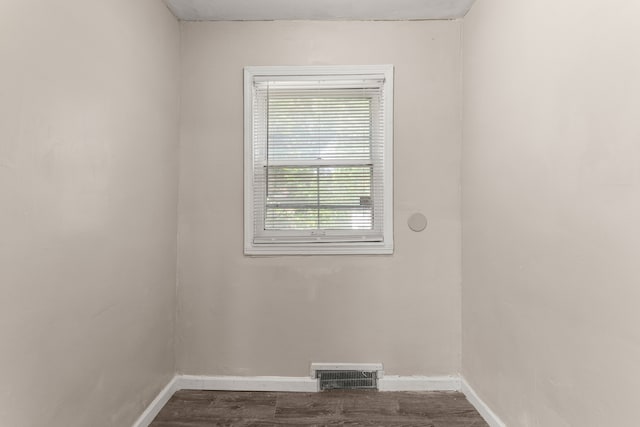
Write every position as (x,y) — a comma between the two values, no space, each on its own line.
(318,160)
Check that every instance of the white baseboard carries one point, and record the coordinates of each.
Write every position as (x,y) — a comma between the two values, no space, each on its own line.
(418,383)
(483,409)
(157,404)
(291,384)
(306,384)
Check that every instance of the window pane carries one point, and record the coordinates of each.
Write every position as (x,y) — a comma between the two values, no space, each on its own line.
(314,127)
(319,197)
(292,198)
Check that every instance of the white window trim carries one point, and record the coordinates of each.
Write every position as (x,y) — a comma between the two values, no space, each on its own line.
(385,247)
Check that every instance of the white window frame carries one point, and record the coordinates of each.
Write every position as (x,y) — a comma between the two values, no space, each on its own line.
(310,247)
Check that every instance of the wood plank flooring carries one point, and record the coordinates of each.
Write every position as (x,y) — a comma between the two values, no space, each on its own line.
(355,408)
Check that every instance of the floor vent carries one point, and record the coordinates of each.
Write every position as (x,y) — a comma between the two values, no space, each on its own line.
(347,380)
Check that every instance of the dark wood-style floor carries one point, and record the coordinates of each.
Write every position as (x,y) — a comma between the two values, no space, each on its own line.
(191,408)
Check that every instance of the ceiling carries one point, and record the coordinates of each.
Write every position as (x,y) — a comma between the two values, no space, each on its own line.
(267,10)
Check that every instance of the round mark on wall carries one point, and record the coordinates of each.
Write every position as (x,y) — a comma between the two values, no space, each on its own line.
(417,222)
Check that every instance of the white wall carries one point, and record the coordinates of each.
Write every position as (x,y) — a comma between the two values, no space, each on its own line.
(551,202)
(273,316)
(88,194)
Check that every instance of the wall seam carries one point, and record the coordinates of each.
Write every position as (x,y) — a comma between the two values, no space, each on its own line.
(178,203)
(461,190)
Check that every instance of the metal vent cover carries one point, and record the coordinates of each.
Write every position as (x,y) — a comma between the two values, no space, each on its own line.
(347,379)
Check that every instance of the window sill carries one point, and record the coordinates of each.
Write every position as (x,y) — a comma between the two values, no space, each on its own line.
(319,249)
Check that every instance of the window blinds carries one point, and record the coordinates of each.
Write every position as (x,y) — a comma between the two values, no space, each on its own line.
(318,158)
